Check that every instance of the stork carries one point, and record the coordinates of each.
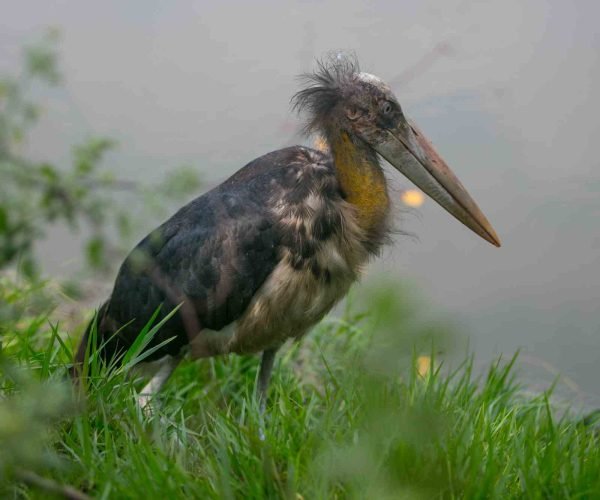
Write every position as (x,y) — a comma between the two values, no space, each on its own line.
(262,257)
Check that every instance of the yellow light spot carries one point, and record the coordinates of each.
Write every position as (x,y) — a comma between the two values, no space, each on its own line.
(423,365)
(321,144)
(413,197)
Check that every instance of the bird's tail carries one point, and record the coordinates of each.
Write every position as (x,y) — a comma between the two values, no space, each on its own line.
(79,359)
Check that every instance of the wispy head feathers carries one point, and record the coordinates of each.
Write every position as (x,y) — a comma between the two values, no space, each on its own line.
(324,88)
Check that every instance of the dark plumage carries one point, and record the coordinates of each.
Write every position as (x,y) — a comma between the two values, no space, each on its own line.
(218,250)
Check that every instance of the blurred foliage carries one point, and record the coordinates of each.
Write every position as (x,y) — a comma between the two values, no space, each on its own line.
(20,301)
(28,410)
(36,195)
(34,397)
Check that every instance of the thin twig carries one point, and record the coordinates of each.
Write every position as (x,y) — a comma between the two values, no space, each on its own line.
(43,483)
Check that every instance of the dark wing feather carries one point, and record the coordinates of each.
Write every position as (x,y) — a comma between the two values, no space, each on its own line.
(213,255)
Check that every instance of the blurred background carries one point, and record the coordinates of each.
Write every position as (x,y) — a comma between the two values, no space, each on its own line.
(506,90)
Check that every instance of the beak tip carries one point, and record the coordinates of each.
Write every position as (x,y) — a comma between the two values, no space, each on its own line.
(493,238)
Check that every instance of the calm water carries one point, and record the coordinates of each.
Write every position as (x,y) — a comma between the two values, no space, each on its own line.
(509,98)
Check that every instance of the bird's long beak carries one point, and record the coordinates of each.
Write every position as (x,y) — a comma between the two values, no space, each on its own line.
(409,151)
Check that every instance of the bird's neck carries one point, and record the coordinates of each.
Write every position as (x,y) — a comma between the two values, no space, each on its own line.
(361,179)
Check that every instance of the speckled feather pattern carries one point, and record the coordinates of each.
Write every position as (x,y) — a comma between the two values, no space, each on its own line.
(257,260)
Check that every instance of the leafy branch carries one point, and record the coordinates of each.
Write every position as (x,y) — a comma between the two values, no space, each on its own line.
(35,196)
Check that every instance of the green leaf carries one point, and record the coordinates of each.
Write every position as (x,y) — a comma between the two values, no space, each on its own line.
(95,251)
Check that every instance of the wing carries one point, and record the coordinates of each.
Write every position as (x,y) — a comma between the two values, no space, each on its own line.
(212,257)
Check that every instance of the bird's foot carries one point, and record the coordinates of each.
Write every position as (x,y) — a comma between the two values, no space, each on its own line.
(144,402)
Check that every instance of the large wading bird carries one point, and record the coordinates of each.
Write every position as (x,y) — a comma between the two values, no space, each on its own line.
(264,256)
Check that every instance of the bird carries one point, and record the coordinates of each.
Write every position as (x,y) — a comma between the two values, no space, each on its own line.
(264,256)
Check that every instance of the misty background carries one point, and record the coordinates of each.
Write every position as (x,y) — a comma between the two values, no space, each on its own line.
(506,90)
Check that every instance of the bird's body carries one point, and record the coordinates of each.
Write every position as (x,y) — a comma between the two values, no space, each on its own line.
(262,258)
(265,255)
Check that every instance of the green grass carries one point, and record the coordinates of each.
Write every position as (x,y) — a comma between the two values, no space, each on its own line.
(349,416)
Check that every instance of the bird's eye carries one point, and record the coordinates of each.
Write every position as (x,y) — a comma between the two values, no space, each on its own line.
(386,108)
(353,113)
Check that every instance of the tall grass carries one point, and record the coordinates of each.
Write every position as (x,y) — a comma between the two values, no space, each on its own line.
(351,414)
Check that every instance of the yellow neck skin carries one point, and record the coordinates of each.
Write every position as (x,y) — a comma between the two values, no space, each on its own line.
(362,181)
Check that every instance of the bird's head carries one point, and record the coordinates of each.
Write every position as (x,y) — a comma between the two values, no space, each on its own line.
(339,98)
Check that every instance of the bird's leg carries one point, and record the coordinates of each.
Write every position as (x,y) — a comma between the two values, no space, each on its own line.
(166,366)
(262,385)
(264,376)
